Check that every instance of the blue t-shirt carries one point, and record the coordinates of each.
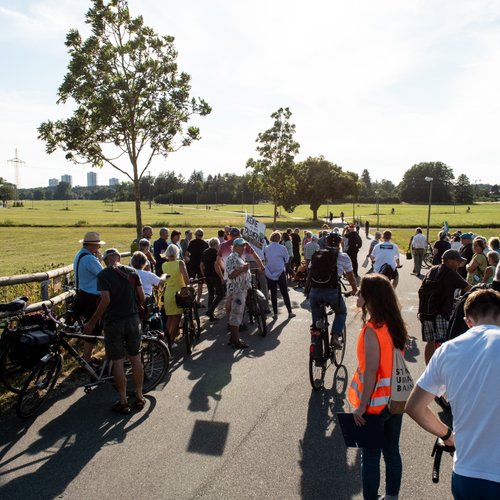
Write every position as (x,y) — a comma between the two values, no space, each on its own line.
(86,270)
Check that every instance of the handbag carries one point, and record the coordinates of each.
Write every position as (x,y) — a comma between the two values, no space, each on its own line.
(401,384)
(409,256)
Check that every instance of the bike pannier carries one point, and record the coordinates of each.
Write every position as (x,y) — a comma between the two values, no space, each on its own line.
(32,346)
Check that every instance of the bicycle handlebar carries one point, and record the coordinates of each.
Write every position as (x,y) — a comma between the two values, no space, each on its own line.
(437,453)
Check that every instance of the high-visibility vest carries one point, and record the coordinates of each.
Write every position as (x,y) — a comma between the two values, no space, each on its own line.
(382,391)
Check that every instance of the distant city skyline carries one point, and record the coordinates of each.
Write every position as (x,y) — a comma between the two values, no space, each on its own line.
(376,86)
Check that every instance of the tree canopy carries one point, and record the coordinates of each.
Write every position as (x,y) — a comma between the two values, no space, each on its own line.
(132,103)
(275,172)
(415,189)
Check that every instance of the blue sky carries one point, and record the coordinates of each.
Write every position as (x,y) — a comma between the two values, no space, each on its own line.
(377,85)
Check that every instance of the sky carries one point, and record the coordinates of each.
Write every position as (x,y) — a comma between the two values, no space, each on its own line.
(378,85)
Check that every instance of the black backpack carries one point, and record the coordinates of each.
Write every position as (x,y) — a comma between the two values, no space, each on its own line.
(324,268)
(430,294)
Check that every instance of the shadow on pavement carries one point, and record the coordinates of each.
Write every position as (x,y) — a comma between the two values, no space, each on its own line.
(65,445)
(326,469)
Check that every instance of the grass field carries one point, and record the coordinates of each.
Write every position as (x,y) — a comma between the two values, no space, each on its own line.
(46,235)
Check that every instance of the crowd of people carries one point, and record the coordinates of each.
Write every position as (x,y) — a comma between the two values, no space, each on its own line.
(463,367)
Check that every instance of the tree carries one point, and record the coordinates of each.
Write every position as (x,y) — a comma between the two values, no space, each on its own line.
(415,189)
(366,183)
(7,190)
(464,191)
(38,194)
(275,172)
(132,104)
(63,191)
(322,181)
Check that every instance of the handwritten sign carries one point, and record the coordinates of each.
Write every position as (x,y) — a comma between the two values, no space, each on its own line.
(254,231)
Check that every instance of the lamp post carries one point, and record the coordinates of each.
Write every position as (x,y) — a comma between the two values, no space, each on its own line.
(253,203)
(242,200)
(378,211)
(429,179)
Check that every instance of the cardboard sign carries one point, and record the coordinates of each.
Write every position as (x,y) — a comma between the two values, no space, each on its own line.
(254,231)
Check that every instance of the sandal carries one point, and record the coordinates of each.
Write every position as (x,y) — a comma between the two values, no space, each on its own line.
(238,345)
(123,408)
(139,404)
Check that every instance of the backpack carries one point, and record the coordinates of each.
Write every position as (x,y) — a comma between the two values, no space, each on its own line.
(430,294)
(324,268)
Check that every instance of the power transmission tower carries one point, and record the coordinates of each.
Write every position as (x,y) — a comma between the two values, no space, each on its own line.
(17,163)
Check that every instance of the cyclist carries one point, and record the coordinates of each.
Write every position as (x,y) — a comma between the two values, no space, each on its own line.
(327,266)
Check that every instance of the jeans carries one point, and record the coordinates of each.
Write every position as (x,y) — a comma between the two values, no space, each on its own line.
(370,460)
(353,255)
(332,297)
(215,293)
(464,488)
(273,288)
(418,256)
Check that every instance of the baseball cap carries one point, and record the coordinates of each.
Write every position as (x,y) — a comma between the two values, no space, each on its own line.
(466,236)
(239,242)
(234,231)
(453,255)
(110,251)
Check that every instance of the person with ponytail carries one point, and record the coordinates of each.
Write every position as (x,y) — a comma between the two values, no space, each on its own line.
(370,390)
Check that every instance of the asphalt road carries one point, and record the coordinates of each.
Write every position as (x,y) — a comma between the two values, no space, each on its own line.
(228,424)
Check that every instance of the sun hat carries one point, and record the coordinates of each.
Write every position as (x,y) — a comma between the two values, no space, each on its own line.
(110,251)
(239,242)
(453,255)
(92,238)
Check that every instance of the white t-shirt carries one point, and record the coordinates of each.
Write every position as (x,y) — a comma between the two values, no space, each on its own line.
(419,241)
(148,280)
(468,370)
(386,252)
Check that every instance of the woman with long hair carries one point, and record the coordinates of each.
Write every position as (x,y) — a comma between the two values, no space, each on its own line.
(383,330)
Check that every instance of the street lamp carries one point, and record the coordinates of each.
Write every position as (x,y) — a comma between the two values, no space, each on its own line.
(378,210)
(429,179)
(242,200)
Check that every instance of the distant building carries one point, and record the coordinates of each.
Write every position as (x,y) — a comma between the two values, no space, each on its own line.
(91,179)
(67,178)
(53,182)
(114,181)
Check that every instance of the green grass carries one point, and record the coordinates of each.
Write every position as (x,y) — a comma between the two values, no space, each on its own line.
(47,235)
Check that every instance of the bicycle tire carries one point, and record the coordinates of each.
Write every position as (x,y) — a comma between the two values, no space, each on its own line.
(155,360)
(338,354)
(13,375)
(186,327)
(197,323)
(427,260)
(317,368)
(38,385)
(260,317)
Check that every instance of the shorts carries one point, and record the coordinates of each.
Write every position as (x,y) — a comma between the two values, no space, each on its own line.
(435,331)
(237,308)
(122,337)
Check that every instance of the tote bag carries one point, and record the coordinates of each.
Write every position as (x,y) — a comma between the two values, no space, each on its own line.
(401,384)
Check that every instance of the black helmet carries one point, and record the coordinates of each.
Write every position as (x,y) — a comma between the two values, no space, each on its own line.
(333,240)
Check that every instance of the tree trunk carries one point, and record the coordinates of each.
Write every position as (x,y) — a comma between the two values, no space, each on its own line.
(315,213)
(274,215)
(137,196)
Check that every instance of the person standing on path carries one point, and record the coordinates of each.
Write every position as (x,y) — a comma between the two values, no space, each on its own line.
(418,247)
(159,247)
(354,244)
(121,295)
(295,237)
(383,331)
(367,228)
(214,277)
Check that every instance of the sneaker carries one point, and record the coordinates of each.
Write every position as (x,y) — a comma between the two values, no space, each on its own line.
(291,315)
(336,342)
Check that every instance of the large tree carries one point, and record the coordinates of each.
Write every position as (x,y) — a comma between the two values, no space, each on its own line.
(464,191)
(415,189)
(131,101)
(322,181)
(7,190)
(275,172)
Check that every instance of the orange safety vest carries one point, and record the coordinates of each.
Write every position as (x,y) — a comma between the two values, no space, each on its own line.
(382,391)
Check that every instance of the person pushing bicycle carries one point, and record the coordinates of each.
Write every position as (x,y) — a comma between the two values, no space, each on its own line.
(327,267)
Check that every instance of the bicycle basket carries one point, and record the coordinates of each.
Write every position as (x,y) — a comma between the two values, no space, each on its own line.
(32,346)
(185,296)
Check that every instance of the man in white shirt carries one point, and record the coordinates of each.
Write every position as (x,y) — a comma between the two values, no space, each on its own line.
(467,369)
(385,257)
(418,246)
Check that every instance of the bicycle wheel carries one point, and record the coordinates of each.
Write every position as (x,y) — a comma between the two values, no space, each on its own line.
(38,386)
(12,373)
(186,331)
(338,354)
(260,318)
(427,260)
(197,326)
(318,365)
(155,359)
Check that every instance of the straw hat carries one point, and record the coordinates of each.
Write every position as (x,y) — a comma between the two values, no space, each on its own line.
(92,238)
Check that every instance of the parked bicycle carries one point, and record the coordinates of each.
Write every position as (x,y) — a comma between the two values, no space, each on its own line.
(428,257)
(190,320)
(43,377)
(256,304)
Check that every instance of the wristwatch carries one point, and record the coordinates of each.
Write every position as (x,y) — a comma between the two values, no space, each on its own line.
(447,435)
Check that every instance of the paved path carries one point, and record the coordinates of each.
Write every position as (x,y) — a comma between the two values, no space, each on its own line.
(229,424)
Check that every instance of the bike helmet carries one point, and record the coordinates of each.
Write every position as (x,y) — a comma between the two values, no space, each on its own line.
(333,240)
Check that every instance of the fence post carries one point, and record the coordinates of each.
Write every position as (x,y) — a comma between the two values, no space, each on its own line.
(44,289)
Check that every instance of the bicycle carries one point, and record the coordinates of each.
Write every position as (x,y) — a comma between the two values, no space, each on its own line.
(321,354)
(428,257)
(25,339)
(43,377)
(437,452)
(256,305)
(190,320)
